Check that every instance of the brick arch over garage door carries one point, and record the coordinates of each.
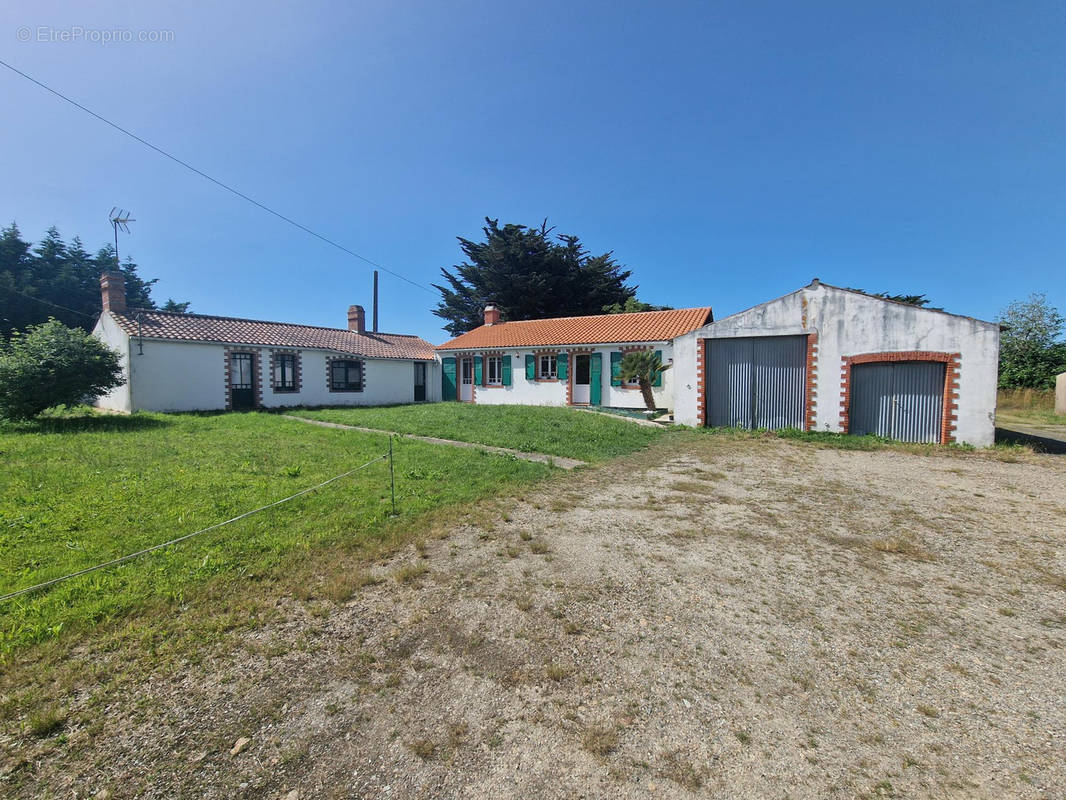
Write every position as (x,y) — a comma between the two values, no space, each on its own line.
(950,409)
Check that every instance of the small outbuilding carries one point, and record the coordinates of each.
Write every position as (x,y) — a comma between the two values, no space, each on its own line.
(563,361)
(832,359)
(197,362)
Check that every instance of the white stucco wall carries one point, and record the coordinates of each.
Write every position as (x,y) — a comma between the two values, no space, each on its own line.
(553,393)
(191,376)
(108,331)
(851,324)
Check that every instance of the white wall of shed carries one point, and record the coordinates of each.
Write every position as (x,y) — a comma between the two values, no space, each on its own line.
(109,332)
(850,324)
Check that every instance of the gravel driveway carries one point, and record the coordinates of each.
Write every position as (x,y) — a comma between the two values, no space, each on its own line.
(711,617)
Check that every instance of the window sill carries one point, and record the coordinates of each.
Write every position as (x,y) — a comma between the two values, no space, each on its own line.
(345,391)
(285,391)
(546,380)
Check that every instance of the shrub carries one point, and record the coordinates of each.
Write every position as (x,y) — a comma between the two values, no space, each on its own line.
(51,365)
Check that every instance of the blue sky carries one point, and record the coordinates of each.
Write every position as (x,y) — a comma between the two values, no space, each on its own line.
(727,153)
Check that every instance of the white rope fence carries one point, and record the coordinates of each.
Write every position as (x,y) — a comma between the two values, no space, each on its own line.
(216,526)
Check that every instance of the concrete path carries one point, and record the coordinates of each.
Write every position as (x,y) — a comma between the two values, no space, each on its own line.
(634,420)
(541,458)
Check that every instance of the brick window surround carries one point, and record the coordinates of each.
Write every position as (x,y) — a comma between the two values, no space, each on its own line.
(949,413)
(329,374)
(297,371)
(485,370)
(810,398)
(257,375)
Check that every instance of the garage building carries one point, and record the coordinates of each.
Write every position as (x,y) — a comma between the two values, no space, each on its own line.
(826,358)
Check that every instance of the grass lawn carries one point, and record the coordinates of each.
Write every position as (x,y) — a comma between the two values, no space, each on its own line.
(556,431)
(81,490)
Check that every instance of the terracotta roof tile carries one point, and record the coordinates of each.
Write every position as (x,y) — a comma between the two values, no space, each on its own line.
(637,326)
(230,330)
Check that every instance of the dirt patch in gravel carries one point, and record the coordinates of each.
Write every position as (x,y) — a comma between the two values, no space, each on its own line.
(746,618)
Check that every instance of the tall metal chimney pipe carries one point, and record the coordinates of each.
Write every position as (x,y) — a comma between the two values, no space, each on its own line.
(375,301)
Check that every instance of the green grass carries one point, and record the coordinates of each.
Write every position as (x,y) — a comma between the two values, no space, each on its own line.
(80,489)
(840,441)
(556,431)
(1029,407)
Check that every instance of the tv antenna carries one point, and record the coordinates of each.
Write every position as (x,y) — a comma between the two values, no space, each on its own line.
(119,218)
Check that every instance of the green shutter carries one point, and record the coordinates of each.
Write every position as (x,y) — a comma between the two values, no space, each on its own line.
(531,368)
(595,379)
(447,379)
(505,361)
(477,371)
(560,366)
(658,375)
(616,369)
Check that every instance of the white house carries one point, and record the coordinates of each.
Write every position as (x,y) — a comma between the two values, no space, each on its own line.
(194,362)
(825,358)
(562,361)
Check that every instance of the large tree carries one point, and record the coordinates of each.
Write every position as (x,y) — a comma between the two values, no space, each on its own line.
(58,280)
(1031,350)
(528,273)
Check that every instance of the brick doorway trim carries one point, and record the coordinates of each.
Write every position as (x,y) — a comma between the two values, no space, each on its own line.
(949,414)
(810,383)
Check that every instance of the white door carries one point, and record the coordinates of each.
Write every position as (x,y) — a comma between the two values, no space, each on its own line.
(582,382)
(466,380)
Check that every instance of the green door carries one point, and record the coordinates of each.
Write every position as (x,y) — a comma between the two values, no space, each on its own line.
(447,379)
(596,379)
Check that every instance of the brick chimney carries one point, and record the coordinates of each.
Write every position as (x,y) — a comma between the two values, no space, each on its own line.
(113,291)
(356,319)
(492,315)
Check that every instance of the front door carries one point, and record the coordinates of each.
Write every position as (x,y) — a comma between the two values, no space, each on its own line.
(466,380)
(242,381)
(582,380)
(420,381)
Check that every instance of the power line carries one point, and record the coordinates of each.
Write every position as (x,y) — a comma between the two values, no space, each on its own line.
(160,546)
(50,303)
(215,181)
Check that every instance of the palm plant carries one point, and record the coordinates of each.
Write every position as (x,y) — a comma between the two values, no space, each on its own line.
(644,366)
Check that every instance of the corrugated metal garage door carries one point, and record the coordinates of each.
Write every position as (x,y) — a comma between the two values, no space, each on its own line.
(756,382)
(900,399)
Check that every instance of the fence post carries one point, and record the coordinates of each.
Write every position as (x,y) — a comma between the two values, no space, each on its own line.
(392,477)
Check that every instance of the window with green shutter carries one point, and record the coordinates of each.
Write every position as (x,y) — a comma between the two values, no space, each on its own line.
(478,372)
(506,360)
(658,375)
(531,367)
(560,366)
(616,369)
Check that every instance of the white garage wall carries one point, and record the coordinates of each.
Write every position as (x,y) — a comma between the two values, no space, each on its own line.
(553,393)
(850,324)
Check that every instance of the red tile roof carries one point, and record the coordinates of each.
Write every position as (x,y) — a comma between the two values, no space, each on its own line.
(637,326)
(229,330)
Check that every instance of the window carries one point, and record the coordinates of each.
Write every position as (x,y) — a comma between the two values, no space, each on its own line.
(546,371)
(494,371)
(284,372)
(346,376)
